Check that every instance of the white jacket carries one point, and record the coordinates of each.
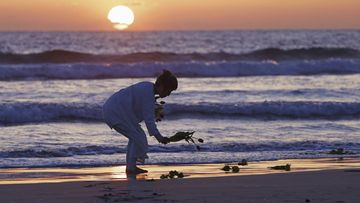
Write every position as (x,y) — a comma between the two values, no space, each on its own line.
(130,106)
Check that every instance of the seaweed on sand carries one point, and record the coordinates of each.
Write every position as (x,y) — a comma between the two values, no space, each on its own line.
(172,174)
(286,167)
(234,169)
(226,168)
(243,162)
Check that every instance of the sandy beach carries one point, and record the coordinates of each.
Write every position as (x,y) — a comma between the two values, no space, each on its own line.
(309,180)
(259,101)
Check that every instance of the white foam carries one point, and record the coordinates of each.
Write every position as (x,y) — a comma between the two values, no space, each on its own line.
(181,69)
(15,113)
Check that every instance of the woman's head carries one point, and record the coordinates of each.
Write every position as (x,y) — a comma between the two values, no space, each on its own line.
(165,84)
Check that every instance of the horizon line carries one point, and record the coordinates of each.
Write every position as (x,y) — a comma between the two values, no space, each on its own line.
(191,30)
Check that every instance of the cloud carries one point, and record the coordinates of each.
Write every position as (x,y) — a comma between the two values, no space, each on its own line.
(132,3)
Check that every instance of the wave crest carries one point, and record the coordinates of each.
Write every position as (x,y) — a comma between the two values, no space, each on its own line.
(20,113)
(181,69)
(66,56)
(178,148)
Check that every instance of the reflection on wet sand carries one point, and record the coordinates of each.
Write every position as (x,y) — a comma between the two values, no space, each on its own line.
(49,175)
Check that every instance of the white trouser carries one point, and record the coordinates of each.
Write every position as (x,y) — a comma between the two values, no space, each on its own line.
(137,146)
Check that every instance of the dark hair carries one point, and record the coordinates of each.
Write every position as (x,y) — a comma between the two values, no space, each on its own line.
(168,80)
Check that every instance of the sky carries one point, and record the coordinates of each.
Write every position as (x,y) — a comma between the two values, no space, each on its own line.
(91,15)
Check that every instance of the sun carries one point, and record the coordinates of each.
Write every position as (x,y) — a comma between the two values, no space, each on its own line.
(121,16)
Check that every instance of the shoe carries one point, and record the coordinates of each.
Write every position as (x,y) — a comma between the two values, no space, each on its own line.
(137,170)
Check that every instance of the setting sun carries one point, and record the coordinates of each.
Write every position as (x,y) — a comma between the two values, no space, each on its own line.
(121,16)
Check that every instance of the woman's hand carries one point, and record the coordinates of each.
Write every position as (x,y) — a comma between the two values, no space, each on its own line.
(163,140)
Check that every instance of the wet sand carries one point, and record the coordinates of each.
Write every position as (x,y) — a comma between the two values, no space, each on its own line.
(309,180)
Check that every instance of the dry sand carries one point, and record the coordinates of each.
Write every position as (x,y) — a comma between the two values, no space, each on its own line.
(310,180)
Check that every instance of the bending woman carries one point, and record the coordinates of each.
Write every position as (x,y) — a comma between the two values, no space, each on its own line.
(125,109)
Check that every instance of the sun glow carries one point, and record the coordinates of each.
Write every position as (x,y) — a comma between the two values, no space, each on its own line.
(121,16)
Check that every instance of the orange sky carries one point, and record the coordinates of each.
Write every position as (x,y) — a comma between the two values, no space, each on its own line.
(78,15)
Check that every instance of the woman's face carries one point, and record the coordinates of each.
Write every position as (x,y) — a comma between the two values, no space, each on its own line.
(164,92)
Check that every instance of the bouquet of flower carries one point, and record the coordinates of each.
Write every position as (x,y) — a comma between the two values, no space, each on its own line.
(159,109)
(187,136)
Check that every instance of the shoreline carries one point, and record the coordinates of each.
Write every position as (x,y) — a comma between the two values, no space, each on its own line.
(315,180)
(117,173)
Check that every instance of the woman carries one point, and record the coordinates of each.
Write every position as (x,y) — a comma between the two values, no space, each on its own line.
(125,109)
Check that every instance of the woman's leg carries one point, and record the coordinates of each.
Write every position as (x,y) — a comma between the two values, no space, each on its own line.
(130,155)
(141,145)
(130,163)
(137,147)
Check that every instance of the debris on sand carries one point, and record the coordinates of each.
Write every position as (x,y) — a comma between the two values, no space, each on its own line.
(243,162)
(172,174)
(234,169)
(286,167)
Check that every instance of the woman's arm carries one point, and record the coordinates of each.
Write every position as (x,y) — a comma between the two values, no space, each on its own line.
(148,110)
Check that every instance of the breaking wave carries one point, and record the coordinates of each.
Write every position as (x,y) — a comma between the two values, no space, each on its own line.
(178,148)
(21,113)
(65,56)
(181,69)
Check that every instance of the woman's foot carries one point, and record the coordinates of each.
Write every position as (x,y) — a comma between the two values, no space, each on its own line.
(137,170)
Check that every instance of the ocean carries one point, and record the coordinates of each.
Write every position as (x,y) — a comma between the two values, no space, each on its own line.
(255,95)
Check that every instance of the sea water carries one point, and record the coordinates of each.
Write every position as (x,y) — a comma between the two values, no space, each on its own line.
(255,95)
